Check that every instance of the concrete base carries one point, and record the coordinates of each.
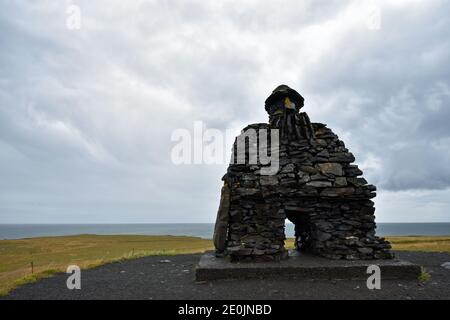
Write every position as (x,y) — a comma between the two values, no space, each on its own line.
(302,266)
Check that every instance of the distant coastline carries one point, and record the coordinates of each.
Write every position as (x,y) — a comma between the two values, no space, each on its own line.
(202,230)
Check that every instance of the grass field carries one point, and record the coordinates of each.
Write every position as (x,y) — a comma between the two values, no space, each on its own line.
(53,254)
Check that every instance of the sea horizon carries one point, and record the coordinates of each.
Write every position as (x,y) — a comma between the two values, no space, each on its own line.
(201,229)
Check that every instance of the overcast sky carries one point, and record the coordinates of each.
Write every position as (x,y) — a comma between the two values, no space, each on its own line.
(86,115)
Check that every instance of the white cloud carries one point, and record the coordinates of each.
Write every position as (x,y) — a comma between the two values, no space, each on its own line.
(95,146)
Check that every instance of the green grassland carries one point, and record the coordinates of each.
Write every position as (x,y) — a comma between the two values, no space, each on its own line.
(50,255)
(53,254)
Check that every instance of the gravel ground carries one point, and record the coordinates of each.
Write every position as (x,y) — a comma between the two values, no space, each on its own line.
(172,277)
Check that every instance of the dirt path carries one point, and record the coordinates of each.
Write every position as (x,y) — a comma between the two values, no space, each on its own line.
(172,277)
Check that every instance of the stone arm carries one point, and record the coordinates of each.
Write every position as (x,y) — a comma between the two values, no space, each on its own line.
(221,226)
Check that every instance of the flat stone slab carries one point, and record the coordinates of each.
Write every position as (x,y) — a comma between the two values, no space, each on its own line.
(302,266)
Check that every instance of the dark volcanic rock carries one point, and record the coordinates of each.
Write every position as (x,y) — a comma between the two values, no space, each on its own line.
(316,187)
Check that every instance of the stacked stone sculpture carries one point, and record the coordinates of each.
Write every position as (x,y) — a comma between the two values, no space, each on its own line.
(316,187)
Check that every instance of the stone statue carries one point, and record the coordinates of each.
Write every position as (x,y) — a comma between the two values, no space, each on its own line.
(316,187)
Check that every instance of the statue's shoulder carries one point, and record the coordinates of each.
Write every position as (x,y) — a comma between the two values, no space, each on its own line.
(318,125)
(322,131)
(256,126)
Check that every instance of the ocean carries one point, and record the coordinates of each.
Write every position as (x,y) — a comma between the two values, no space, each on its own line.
(203,230)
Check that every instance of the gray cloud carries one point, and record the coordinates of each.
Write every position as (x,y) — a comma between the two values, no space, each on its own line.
(86,115)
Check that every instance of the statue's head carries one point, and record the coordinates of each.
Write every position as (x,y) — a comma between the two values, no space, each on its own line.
(283,98)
